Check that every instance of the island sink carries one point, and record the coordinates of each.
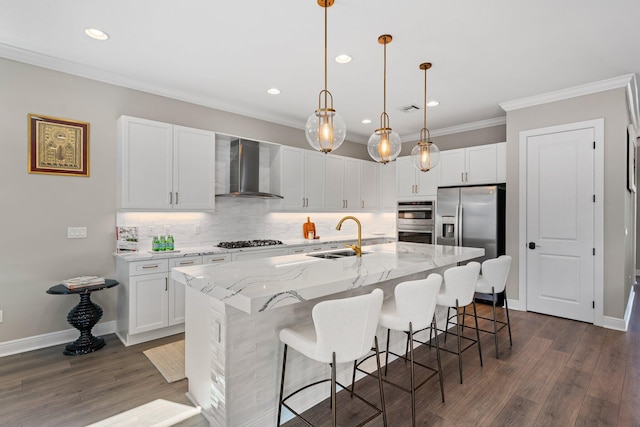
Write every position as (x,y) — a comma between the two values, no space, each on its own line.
(336,254)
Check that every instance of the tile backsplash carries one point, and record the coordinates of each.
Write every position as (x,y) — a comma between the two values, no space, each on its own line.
(244,219)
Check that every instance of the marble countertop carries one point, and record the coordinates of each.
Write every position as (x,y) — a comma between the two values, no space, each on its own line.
(262,284)
(212,250)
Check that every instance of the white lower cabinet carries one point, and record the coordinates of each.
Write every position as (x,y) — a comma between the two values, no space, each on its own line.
(176,290)
(150,303)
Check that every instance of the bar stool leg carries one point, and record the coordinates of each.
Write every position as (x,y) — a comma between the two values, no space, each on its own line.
(284,364)
(458,329)
(506,307)
(475,316)
(333,391)
(413,387)
(384,409)
(386,359)
(434,327)
(446,329)
(495,323)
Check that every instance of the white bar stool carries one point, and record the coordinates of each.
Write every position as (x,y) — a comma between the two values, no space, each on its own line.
(412,310)
(493,281)
(342,331)
(458,291)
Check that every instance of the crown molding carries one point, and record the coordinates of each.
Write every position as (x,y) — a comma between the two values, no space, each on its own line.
(68,67)
(572,92)
(465,127)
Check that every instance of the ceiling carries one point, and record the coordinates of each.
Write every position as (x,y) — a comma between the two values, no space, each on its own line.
(226,55)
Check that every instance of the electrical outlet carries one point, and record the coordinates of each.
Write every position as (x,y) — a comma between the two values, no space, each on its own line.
(76,232)
(196,229)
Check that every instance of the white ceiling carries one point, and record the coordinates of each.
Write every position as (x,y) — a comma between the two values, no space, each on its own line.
(227,54)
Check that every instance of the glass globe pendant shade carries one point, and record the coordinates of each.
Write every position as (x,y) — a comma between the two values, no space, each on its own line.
(384,145)
(325,130)
(425,156)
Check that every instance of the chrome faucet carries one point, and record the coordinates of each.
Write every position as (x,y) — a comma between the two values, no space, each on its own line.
(357,248)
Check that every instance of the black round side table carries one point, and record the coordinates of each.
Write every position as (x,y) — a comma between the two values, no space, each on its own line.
(83,317)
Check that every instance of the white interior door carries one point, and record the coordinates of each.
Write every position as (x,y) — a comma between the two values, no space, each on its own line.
(560,224)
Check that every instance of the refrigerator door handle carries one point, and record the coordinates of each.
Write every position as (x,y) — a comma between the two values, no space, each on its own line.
(459,219)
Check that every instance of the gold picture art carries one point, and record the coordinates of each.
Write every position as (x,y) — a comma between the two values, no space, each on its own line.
(58,146)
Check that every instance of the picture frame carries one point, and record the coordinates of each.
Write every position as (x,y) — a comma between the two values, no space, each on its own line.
(58,146)
(631,159)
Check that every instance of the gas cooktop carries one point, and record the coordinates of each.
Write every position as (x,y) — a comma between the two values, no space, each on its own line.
(248,244)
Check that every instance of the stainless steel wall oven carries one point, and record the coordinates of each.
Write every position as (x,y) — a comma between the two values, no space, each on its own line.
(416,222)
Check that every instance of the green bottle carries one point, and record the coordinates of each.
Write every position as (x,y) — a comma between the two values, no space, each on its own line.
(155,244)
(170,242)
(162,243)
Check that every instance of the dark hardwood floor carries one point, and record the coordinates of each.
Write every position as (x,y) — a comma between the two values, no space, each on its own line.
(558,373)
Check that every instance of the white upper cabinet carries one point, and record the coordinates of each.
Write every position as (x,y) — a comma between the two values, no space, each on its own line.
(414,184)
(342,190)
(369,194)
(302,179)
(387,184)
(313,181)
(165,167)
(469,166)
(351,185)
(194,160)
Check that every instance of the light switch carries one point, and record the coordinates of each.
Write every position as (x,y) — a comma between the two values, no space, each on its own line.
(76,232)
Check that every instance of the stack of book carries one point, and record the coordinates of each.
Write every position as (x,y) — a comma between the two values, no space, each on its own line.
(83,282)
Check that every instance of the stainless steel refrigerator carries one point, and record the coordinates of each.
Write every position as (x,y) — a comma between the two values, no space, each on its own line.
(472,216)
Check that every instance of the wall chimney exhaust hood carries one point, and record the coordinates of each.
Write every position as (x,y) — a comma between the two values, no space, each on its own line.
(244,170)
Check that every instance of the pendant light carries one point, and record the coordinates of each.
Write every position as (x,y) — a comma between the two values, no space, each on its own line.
(325,129)
(384,145)
(425,155)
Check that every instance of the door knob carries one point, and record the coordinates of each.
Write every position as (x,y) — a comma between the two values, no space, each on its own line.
(532,245)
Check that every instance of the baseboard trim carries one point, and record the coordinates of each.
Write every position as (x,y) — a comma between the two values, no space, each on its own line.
(36,342)
(621,324)
(516,304)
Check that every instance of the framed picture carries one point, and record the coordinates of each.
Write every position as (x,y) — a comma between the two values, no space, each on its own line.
(631,159)
(58,146)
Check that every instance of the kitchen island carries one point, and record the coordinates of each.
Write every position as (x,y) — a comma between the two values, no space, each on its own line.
(233,353)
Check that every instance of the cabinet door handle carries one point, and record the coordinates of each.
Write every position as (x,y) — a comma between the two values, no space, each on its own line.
(186,263)
(166,284)
(176,197)
(462,176)
(466,176)
(362,204)
(307,199)
(170,198)
(216,260)
(303,202)
(150,266)
(417,188)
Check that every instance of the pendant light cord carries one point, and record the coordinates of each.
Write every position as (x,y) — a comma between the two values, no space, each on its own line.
(425,99)
(384,78)
(325,55)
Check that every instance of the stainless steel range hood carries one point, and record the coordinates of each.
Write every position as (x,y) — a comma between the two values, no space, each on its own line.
(244,170)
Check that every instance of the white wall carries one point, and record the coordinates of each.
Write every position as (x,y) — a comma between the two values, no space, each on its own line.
(619,203)
(37,209)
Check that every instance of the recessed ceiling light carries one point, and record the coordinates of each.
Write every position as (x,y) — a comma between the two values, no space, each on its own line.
(273,91)
(433,103)
(95,33)
(343,58)
(366,121)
